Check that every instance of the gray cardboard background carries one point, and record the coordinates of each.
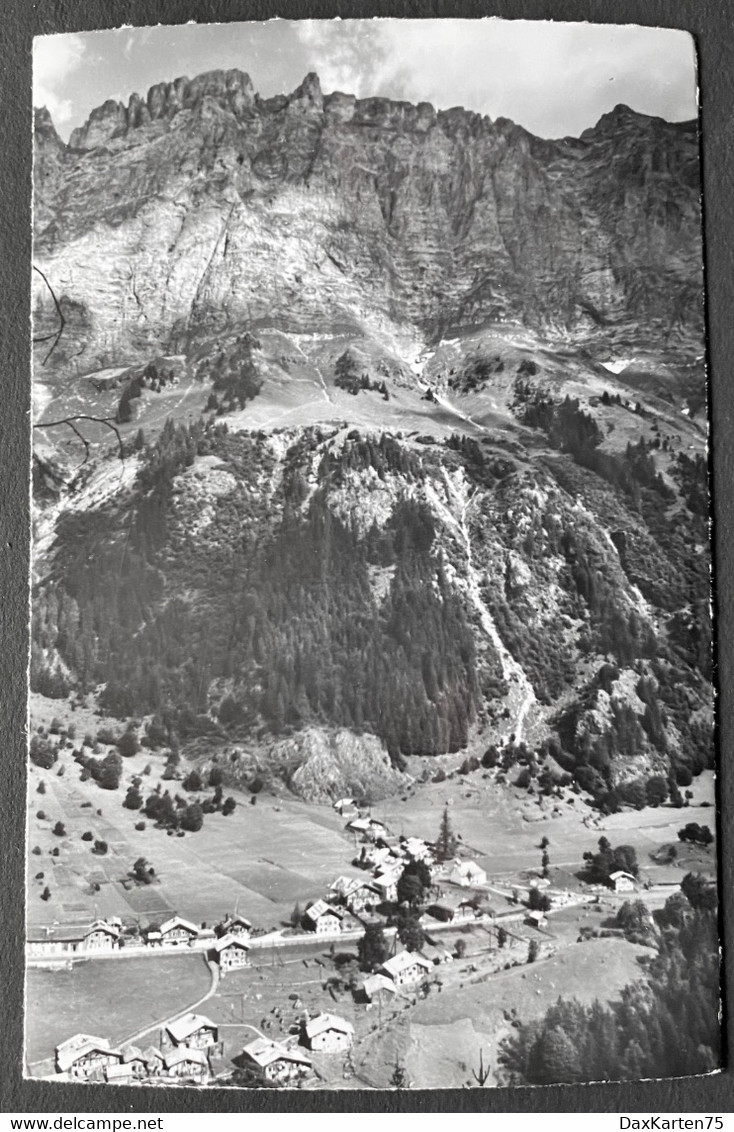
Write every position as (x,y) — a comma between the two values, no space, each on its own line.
(712,24)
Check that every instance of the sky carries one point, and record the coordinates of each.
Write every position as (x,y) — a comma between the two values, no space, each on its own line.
(555,79)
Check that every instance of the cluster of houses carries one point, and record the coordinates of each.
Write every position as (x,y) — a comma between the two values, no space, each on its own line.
(386,857)
(186,1048)
(189,1045)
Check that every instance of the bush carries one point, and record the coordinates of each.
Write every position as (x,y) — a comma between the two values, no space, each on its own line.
(46,894)
(140,825)
(59,829)
(133,799)
(695,833)
(100,848)
(230,805)
(538,901)
(87,835)
(128,744)
(41,815)
(41,788)
(36,850)
(42,753)
(192,818)
(192,781)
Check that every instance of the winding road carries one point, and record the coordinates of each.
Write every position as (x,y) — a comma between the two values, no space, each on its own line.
(213,984)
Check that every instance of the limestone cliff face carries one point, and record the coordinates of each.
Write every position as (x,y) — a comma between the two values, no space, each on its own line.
(203,208)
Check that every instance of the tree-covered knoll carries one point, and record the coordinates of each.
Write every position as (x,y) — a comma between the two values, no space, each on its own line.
(665,1025)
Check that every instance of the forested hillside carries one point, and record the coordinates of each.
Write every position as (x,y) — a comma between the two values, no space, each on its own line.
(259,583)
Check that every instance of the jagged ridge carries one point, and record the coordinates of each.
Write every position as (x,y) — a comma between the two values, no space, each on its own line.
(204,208)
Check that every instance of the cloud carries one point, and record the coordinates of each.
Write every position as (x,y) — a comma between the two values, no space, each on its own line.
(346,54)
(553,78)
(55,58)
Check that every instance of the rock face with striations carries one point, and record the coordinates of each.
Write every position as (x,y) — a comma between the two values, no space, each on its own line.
(203,208)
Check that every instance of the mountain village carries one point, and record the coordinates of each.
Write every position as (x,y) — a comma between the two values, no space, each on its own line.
(295,1047)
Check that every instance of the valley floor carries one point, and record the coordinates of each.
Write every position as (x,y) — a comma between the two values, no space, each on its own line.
(264,858)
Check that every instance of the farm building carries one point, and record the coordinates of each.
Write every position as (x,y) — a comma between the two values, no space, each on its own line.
(405,967)
(536,919)
(328,1033)
(323,918)
(453,909)
(177,932)
(364,895)
(375,856)
(347,807)
(120,1075)
(622,882)
(186,1062)
(376,985)
(467,874)
(386,884)
(232,951)
(234,925)
(55,943)
(274,1062)
(153,1060)
(136,1061)
(417,849)
(192,1030)
(369,827)
(103,935)
(354,892)
(86,1058)
(435,953)
(342,886)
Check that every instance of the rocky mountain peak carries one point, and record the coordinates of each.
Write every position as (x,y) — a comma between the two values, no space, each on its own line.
(438,220)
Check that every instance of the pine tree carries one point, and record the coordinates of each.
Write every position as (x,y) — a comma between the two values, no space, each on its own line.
(446,843)
(372,948)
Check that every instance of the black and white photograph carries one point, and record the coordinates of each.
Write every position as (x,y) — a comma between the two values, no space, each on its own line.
(371,684)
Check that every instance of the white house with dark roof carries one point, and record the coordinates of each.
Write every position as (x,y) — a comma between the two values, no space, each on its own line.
(102,935)
(622,881)
(192,1030)
(323,918)
(177,932)
(85,1058)
(467,873)
(405,967)
(417,849)
(355,892)
(274,1061)
(375,985)
(328,1033)
(386,880)
(234,925)
(368,827)
(347,807)
(185,1061)
(232,952)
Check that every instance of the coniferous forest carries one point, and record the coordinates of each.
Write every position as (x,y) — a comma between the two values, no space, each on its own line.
(665,1025)
(290,608)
